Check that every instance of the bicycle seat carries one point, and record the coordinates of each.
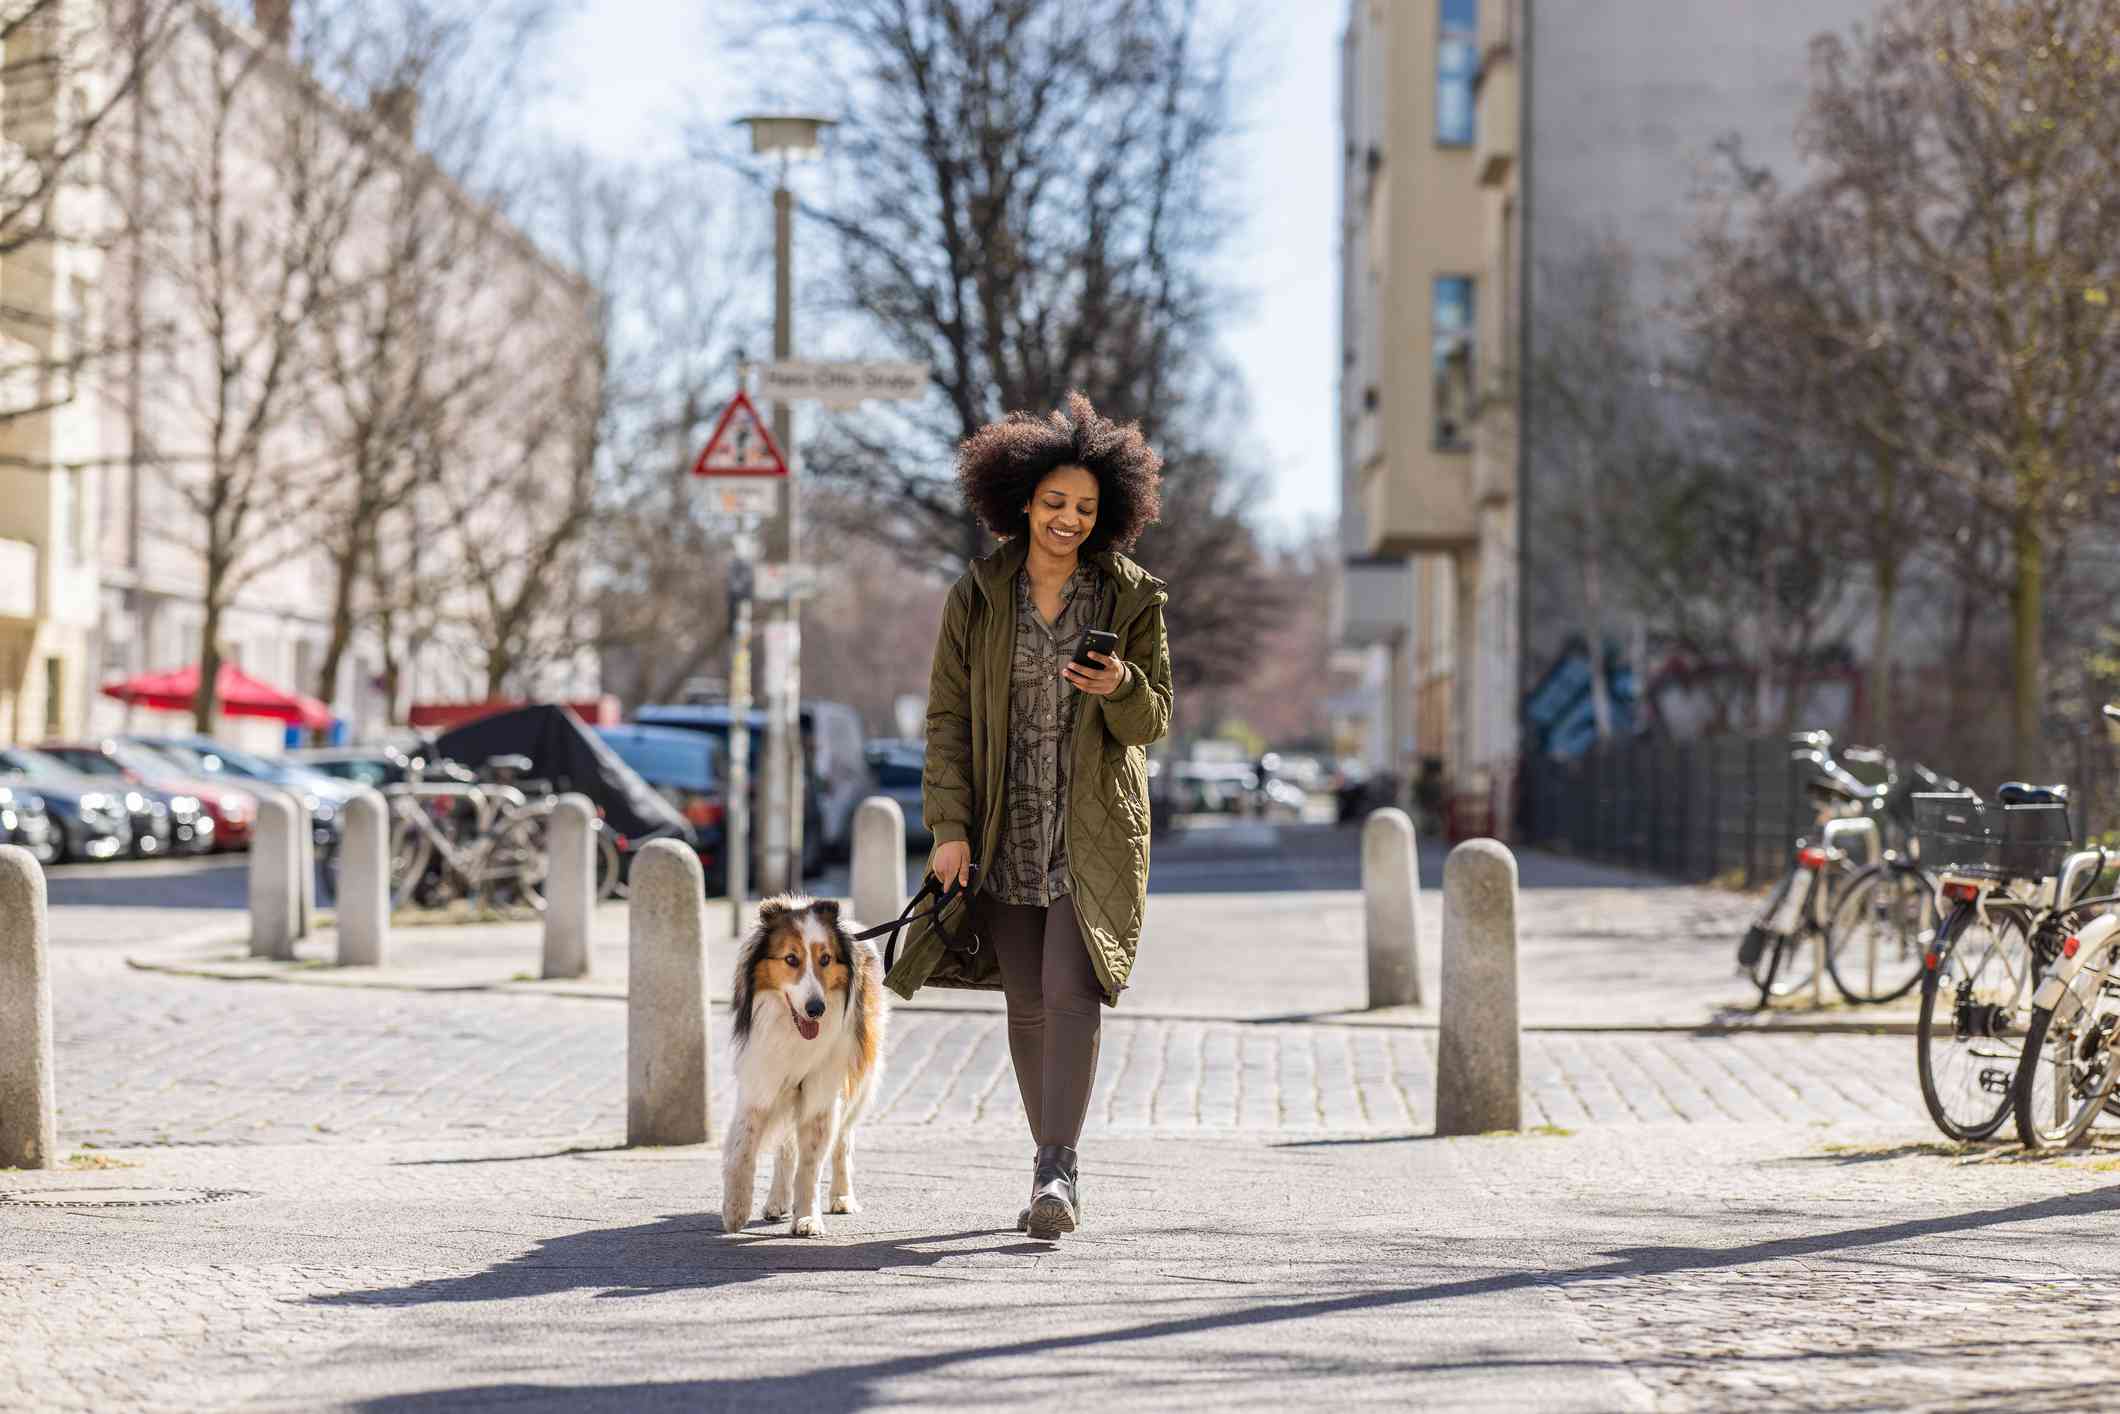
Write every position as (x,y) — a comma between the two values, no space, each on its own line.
(1826,777)
(2020,793)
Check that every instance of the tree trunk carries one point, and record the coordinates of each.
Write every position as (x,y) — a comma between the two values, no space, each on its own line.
(204,706)
(347,566)
(1879,715)
(2027,625)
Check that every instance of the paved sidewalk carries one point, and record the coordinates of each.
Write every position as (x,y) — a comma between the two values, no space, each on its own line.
(1658,1267)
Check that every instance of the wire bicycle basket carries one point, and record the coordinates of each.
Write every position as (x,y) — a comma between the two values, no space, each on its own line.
(1962,834)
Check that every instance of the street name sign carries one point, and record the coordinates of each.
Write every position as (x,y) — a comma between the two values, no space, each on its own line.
(741,445)
(841,384)
(780,581)
(743,496)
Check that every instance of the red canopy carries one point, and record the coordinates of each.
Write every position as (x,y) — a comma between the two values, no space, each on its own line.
(238,693)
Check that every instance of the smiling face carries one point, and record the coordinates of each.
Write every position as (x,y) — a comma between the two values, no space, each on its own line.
(1063,511)
(801,965)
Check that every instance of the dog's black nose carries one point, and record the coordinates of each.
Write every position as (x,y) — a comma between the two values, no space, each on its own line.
(815,1008)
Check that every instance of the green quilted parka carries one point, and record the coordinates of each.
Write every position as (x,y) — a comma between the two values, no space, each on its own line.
(1107,807)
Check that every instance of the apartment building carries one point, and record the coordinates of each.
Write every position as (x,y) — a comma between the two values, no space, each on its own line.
(48,427)
(1489,145)
(103,546)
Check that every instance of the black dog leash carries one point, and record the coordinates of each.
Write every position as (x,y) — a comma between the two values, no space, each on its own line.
(930,887)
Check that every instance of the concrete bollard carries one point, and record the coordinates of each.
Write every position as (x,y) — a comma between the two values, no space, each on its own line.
(275,892)
(1391,908)
(29,1112)
(364,881)
(570,886)
(305,869)
(879,859)
(667,1087)
(1479,1061)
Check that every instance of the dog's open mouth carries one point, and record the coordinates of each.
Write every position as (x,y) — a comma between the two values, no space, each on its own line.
(806,1025)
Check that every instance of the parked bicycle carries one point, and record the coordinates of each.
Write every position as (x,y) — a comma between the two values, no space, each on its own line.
(2069,1067)
(2018,891)
(455,836)
(1867,911)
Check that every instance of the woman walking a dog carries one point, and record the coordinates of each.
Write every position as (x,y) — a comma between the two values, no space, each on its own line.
(1036,786)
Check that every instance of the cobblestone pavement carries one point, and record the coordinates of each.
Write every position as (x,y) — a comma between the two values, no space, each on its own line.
(149,1059)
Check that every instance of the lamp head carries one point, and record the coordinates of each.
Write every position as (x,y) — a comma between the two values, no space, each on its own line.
(788,135)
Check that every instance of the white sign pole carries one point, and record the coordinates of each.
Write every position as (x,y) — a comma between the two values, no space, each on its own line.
(736,856)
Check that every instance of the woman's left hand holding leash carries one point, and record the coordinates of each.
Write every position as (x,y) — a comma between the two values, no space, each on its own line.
(1103,680)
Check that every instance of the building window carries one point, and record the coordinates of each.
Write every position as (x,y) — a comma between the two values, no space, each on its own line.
(1457,69)
(1452,336)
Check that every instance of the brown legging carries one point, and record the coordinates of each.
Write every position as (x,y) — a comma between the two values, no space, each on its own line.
(1047,975)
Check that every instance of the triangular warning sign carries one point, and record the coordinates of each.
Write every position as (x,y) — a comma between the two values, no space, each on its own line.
(740,446)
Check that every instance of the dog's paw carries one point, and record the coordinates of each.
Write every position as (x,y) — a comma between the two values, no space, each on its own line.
(779,1206)
(809,1225)
(733,1219)
(846,1203)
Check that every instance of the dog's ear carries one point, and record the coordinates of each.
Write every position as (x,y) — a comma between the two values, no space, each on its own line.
(772,913)
(828,910)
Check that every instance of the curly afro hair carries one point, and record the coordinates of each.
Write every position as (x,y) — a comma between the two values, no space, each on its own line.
(1000,466)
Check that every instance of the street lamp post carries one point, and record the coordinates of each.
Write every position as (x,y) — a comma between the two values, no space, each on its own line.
(792,138)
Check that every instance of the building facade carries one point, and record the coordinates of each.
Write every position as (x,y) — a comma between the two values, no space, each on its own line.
(106,500)
(1489,146)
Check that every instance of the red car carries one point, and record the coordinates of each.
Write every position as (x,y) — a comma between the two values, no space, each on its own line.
(232,810)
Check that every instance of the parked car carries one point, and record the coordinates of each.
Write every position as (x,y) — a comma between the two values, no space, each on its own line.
(166,819)
(687,769)
(225,812)
(898,765)
(89,818)
(202,755)
(833,745)
(375,766)
(27,823)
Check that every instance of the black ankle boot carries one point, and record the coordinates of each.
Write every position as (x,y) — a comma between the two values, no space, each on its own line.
(1055,1205)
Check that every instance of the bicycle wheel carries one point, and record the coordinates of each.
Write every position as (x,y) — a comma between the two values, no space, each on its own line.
(411,855)
(1974,1005)
(2070,1067)
(1880,931)
(511,871)
(610,875)
(1759,953)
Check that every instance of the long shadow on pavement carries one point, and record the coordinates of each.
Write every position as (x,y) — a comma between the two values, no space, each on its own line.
(587,1259)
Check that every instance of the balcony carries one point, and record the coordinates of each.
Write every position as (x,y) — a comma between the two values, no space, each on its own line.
(1498,116)
(1373,603)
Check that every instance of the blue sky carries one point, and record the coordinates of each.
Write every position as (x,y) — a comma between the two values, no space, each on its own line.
(629,72)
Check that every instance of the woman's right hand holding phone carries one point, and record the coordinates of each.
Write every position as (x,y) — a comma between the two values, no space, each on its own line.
(951,863)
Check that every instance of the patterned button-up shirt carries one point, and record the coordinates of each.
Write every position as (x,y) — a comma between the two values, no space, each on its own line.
(1032,867)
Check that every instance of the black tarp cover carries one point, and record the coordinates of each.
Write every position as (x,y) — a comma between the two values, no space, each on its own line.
(563,750)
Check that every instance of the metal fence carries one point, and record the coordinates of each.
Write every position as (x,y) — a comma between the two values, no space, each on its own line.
(1702,809)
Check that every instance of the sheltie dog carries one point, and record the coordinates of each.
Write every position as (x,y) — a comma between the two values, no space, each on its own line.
(807,1046)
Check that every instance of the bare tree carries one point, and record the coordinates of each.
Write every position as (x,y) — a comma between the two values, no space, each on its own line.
(518,521)
(244,178)
(1597,436)
(1977,148)
(420,331)
(68,71)
(1026,198)
(661,594)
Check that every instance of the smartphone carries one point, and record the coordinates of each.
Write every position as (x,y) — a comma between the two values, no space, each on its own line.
(1094,640)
